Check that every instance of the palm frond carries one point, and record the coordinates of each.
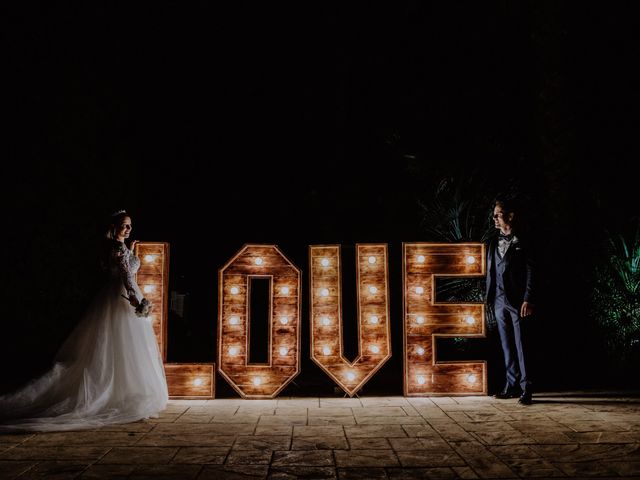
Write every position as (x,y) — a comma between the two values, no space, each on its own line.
(615,299)
(458,211)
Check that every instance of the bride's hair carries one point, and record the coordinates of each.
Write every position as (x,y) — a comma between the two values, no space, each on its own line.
(114,222)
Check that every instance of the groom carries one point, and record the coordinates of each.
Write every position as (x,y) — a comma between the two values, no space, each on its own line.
(510,288)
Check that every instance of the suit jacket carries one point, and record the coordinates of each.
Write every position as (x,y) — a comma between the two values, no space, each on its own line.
(519,272)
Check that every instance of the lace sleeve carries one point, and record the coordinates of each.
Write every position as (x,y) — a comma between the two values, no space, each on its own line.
(123,259)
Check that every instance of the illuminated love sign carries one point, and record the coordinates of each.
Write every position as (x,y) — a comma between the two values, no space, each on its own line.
(424,319)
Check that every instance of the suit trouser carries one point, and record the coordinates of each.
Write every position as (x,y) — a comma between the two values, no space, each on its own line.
(513,331)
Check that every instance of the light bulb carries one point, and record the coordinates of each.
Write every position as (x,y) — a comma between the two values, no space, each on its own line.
(284,290)
(324,292)
(198,382)
(421,258)
(284,320)
(471,378)
(470,320)
(372,259)
(324,262)
(149,258)
(419,320)
(326,351)
(326,321)
(419,290)
(421,380)
(234,290)
(259,261)
(351,376)
(283,351)
(375,349)
(373,319)
(149,288)
(234,320)
(373,289)
(471,260)
(233,351)
(420,351)
(257,381)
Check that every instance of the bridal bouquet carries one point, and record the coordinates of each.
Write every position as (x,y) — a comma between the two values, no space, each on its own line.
(143,308)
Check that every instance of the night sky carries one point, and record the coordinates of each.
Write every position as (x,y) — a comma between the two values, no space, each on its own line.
(216,126)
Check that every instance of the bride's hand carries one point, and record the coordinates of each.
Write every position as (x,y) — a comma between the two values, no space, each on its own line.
(133,245)
(133,301)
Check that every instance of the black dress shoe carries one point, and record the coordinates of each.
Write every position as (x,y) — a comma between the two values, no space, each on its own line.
(507,393)
(525,399)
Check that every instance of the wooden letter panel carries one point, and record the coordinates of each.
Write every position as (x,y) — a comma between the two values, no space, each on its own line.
(374,339)
(153,280)
(425,319)
(248,379)
(190,381)
(184,380)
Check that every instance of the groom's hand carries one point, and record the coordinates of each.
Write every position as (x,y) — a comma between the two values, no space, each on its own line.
(526,309)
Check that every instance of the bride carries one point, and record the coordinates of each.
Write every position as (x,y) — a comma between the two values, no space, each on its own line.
(109,370)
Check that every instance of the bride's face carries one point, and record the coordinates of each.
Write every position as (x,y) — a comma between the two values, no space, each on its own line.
(124,229)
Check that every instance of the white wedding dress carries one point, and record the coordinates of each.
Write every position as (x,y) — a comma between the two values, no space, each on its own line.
(108,371)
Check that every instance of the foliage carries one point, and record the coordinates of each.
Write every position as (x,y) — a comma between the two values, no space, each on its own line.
(615,302)
(459,211)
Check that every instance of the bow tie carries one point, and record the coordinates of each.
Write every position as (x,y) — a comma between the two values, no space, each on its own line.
(505,237)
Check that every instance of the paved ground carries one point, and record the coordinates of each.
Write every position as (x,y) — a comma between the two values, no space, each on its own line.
(561,435)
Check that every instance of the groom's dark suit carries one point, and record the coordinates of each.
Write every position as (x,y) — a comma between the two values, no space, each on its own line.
(510,282)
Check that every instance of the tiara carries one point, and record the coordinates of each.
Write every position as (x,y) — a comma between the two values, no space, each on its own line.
(114,214)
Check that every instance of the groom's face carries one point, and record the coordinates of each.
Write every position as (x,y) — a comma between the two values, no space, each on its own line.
(501,219)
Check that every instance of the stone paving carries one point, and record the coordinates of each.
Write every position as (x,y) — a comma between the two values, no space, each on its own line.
(368,438)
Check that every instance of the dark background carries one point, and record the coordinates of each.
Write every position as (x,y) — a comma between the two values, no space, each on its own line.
(216,126)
